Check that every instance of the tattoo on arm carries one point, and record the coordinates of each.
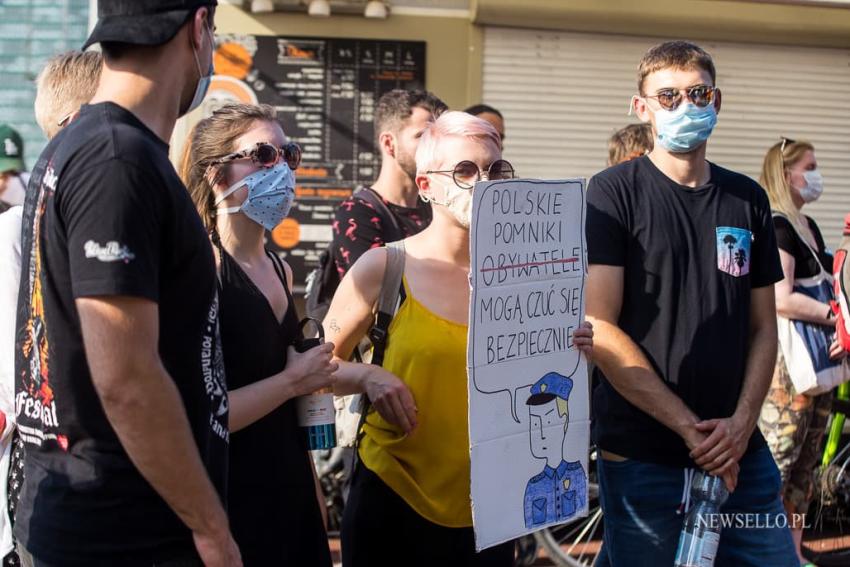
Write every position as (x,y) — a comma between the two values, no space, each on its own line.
(334,327)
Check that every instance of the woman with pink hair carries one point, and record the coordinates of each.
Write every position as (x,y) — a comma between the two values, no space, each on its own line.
(410,491)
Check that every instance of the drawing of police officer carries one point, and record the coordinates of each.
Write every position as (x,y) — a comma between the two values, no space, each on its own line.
(559,492)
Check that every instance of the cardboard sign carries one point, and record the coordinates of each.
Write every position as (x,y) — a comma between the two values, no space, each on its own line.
(529,419)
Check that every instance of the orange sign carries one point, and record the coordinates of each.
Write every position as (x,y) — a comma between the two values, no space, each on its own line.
(287,234)
(232,59)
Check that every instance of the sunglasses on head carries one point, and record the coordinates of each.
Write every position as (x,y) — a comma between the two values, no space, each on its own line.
(670,99)
(466,172)
(785,142)
(266,155)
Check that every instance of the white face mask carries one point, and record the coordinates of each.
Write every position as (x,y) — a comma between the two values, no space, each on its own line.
(459,203)
(814,186)
(16,189)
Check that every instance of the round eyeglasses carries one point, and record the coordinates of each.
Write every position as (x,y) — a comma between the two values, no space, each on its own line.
(467,172)
(670,99)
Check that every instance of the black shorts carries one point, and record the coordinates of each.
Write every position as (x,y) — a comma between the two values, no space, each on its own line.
(380,529)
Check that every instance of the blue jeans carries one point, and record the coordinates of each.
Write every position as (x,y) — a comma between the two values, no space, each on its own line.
(640,504)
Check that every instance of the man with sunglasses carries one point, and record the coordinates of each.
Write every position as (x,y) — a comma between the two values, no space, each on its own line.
(682,261)
(121,398)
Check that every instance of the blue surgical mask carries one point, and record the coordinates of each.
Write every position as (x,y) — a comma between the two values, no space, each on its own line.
(684,129)
(204,81)
(270,195)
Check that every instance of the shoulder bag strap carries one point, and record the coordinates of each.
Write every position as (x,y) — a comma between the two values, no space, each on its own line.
(387,306)
(387,300)
(811,250)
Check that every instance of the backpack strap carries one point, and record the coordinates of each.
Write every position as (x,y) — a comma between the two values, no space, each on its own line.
(372,197)
(387,301)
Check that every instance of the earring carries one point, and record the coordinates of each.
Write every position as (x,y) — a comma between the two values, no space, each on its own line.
(425,198)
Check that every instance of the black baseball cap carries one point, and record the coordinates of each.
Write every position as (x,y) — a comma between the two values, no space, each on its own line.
(142,22)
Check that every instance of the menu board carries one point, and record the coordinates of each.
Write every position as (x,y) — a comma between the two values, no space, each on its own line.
(325,92)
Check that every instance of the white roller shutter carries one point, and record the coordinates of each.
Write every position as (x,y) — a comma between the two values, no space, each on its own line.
(563,94)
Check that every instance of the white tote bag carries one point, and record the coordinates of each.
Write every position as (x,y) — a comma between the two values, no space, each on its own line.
(804,345)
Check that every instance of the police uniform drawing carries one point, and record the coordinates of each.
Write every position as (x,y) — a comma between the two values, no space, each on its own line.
(559,492)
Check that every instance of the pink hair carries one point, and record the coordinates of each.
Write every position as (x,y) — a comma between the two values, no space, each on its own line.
(452,123)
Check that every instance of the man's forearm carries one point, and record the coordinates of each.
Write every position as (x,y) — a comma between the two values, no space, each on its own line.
(759,372)
(148,415)
(630,373)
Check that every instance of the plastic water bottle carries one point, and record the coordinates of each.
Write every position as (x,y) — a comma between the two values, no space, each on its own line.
(700,534)
(316,411)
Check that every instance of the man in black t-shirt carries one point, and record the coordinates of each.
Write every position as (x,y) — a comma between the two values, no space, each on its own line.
(682,261)
(120,391)
(359,225)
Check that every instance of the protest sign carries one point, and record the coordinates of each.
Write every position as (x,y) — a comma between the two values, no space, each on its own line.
(529,422)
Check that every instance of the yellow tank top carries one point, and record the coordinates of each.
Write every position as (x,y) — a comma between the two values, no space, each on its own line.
(429,468)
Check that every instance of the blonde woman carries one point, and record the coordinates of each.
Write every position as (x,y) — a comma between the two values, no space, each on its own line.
(238,168)
(792,423)
(410,493)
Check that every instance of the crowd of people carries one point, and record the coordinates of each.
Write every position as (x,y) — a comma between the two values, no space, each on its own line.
(148,371)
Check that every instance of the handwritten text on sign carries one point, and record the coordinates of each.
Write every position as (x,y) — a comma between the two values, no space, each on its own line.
(528,270)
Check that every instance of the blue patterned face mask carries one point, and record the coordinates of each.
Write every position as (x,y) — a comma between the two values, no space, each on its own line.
(270,195)
(686,128)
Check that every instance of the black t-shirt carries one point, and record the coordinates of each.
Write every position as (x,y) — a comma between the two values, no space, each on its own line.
(805,264)
(359,227)
(691,257)
(106,215)
(274,513)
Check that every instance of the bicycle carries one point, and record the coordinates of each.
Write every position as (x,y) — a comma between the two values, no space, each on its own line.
(330,468)
(331,473)
(832,477)
(833,472)
(332,477)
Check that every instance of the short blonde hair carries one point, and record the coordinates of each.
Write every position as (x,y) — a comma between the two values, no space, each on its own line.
(66,82)
(630,142)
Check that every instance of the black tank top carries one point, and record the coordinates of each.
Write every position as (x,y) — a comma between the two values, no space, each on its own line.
(272,505)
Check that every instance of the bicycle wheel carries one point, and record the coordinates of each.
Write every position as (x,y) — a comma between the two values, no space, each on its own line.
(576,544)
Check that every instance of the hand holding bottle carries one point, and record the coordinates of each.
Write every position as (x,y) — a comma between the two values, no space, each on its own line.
(316,412)
(309,371)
